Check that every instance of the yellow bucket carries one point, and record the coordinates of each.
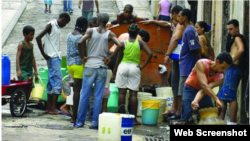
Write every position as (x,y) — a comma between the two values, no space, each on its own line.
(37,91)
(150,104)
(63,95)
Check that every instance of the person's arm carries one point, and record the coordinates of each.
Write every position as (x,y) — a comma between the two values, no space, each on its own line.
(174,42)
(200,71)
(34,65)
(118,61)
(39,40)
(159,10)
(202,94)
(97,6)
(114,39)
(79,4)
(160,23)
(148,51)
(240,49)
(19,51)
(82,45)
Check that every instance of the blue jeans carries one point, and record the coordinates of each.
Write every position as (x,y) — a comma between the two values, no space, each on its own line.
(67,7)
(187,98)
(54,85)
(98,77)
(87,15)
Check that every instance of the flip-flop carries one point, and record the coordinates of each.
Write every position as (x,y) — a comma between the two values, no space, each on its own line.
(54,113)
(64,113)
(167,114)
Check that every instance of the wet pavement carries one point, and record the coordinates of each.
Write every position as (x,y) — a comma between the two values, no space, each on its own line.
(36,125)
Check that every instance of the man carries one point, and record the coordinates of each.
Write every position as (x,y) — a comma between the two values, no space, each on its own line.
(174,112)
(52,54)
(88,8)
(204,76)
(95,71)
(228,92)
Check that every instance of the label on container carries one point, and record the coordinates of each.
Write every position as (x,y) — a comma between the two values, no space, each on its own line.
(127,131)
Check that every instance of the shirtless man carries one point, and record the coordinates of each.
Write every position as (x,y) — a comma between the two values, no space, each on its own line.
(127,16)
(228,92)
(174,112)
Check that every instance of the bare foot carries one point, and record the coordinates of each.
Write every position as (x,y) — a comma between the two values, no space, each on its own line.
(136,122)
(72,120)
(47,110)
(66,111)
(54,111)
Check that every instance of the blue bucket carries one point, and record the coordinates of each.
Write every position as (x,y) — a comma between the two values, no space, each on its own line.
(176,52)
(127,127)
(5,69)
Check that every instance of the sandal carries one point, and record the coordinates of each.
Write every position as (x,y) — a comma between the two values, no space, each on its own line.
(45,11)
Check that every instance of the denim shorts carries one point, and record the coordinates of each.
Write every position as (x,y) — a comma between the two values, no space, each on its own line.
(187,98)
(228,90)
(164,18)
(54,85)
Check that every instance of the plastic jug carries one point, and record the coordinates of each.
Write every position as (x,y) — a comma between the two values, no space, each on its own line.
(5,69)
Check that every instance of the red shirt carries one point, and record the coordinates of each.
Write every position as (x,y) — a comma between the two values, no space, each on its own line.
(193,81)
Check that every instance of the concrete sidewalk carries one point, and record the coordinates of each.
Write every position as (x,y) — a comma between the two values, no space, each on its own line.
(11,12)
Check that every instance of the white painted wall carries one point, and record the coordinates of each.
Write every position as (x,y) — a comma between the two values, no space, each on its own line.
(216,26)
(237,12)
(200,10)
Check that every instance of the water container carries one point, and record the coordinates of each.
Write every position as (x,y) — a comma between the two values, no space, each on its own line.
(150,112)
(175,55)
(5,69)
(167,93)
(112,105)
(115,127)
(127,127)
(162,107)
(64,62)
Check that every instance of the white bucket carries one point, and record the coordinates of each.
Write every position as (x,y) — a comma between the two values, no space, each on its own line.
(112,127)
(167,93)
(162,107)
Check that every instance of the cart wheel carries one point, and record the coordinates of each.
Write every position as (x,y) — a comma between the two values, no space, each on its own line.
(18,103)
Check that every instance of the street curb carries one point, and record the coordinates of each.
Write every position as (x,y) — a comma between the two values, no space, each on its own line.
(13,22)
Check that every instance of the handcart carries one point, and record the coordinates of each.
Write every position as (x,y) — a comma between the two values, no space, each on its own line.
(17,94)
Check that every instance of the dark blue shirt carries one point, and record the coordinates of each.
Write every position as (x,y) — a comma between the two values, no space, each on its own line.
(188,54)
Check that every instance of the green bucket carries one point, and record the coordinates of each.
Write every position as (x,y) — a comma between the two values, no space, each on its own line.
(64,62)
(112,105)
(150,116)
(43,73)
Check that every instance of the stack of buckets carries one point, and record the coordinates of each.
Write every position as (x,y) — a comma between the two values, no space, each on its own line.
(115,127)
(167,93)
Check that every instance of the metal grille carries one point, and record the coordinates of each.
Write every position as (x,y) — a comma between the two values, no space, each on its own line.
(154,139)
